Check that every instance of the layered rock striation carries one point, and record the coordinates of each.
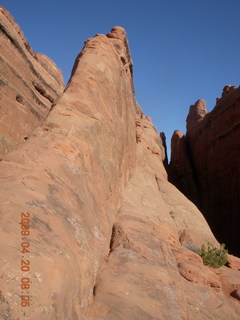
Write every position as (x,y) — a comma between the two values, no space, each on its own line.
(209,162)
(69,175)
(29,84)
(109,237)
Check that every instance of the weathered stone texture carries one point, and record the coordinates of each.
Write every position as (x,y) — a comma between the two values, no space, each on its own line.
(29,84)
(110,237)
(150,273)
(69,175)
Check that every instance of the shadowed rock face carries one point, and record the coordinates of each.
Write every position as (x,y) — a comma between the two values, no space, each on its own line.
(29,84)
(110,237)
(180,170)
(212,144)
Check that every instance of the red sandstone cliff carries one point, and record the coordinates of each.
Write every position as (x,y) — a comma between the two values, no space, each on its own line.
(213,144)
(109,235)
(29,84)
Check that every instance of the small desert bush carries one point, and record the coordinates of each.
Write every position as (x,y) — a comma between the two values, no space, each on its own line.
(212,256)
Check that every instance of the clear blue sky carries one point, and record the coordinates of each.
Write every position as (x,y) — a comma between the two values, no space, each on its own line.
(183,50)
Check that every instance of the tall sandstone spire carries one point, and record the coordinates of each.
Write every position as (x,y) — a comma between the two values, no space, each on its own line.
(110,237)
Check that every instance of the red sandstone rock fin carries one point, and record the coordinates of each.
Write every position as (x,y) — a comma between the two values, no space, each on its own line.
(83,172)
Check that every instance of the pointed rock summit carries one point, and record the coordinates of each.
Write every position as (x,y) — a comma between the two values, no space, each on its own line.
(196,114)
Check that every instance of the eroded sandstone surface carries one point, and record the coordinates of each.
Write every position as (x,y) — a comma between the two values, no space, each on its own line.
(29,84)
(110,237)
(150,272)
(208,160)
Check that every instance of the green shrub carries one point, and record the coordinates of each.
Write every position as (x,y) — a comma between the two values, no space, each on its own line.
(212,256)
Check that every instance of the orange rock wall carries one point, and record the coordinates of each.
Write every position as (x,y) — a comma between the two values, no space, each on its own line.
(29,84)
(150,273)
(69,175)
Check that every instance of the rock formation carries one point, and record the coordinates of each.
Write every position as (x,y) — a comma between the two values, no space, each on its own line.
(109,237)
(29,84)
(212,149)
(180,171)
(150,273)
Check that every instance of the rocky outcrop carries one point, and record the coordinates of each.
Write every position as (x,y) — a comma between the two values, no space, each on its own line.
(68,176)
(29,84)
(150,273)
(196,114)
(213,144)
(180,169)
(109,237)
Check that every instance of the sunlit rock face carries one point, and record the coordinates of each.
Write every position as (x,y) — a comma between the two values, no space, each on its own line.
(29,84)
(69,176)
(109,236)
